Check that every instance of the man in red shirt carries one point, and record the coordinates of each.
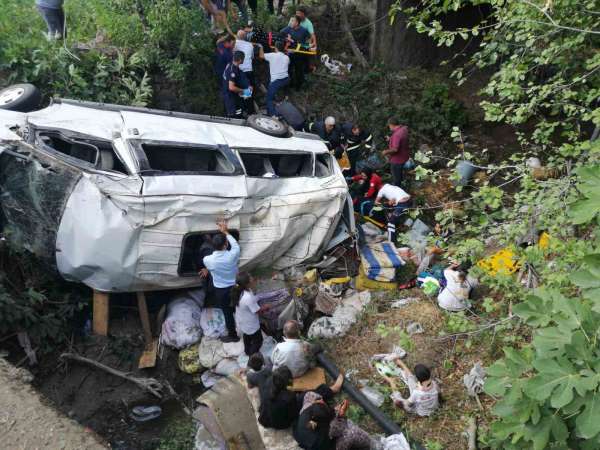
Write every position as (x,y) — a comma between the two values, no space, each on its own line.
(397,149)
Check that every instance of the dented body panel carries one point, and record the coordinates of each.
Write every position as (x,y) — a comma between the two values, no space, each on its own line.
(109,217)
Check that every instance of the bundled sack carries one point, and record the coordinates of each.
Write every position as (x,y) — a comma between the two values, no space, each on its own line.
(380,261)
(278,300)
(365,284)
(212,321)
(343,317)
(182,326)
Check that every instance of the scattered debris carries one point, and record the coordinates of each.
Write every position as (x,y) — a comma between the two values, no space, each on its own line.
(343,317)
(404,302)
(335,66)
(145,413)
(414,328)
(374,396)
(475,380)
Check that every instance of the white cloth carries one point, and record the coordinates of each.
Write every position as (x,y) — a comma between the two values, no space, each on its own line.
(293,353)
(393,194)
(248,49)
(455,296)
(246,315)
(278,65)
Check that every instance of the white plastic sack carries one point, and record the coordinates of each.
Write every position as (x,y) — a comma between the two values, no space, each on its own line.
(395,442)
(211,352)
(212,322)
(328,327)
(209,378)
(226,367)
(182,326)
(233,349)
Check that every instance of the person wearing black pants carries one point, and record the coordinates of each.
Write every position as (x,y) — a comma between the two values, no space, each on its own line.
(222,265)
(298,61)
(247,312)
(279,7)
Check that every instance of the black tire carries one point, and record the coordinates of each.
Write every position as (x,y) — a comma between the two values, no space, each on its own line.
(20,97)
(268,125)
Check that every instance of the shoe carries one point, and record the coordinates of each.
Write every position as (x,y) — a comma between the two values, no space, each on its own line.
(228,339)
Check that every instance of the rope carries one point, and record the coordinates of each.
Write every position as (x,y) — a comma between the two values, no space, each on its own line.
(368,25)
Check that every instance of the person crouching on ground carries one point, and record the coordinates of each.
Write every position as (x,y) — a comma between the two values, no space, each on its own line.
(246,312)
(293,352)
(311,431)
(278,405)
(222,265)
(424,391)
(364,189)
(455,296)
(396,198)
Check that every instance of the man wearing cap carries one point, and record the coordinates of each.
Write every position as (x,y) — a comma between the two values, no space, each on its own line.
(334,139)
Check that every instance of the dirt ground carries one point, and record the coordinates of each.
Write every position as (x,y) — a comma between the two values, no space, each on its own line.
(448,358)
(103,402)
(27,422)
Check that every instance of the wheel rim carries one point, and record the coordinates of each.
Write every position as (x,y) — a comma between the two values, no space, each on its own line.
(10,95)
(268,124)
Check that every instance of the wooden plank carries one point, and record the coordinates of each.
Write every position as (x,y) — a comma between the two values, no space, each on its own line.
(144,317)
(148,358)
(100,313)
(311,380)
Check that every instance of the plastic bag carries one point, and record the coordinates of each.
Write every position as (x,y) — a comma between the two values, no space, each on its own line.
(374,396)
(212,322)
(183,324)
(211,352)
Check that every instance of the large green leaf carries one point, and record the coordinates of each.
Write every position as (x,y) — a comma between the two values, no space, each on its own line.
(551,341)
(588,422)
(557,380)
(534,310)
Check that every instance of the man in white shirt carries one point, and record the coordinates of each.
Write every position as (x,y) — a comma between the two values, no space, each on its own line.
(279,64)
(424,391)
(294,353)
(396,198)
(247,48)
(223,267)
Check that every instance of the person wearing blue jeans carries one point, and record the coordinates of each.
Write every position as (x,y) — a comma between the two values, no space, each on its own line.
(54,16)
(279,64)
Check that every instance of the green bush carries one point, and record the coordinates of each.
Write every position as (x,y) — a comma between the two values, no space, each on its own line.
(134,54)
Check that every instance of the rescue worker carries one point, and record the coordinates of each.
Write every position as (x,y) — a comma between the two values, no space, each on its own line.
(334,139)
(359,142)
(247,48)
(398,200)
(278,71)
(235,87)
(298,61)
(223,55)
